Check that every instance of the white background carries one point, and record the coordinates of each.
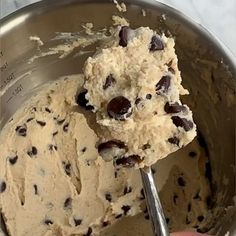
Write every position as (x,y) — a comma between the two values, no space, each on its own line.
(218,16)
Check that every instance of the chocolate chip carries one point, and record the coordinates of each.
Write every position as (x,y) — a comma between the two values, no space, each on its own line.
(89,232)
(35,189)
(108,197)
(123,35)
(147,217)
(42,123)
(111,144)
(34,109)
(174,140)
(33,151)
(65,127)
(109,82)
(13,160)
(105,223)
(129,161)
(3,186)
(84,149)
(167,220)
(149,96)
(182,122)
(192,154)
(118,216)
(156,44)
(153,170)
(52,147)
(146,146)
(115,174)
(60,122)
(175,197)
(77,222)
(127,190)
(119,108)
(181,181)
(55,133)
(47,110)
(67,203)
(174,108)
(142,194)
(137,101)
(189,207)
(125,208)
(67,168)
(21,130)
(83,102)
(200,218)
(163,85)
(171,70)
(30,119)
(48,222)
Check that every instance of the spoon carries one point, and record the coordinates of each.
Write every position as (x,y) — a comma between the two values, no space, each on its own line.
(154,207)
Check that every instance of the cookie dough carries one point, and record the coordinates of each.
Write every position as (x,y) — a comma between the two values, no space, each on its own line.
(133,85)
(53,181)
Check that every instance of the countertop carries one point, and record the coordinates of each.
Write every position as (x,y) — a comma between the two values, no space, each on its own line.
(216,15)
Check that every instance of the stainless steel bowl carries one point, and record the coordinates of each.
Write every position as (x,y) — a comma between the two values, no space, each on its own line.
(208,71)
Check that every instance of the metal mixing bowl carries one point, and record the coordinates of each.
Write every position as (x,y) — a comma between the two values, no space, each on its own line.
(208,71)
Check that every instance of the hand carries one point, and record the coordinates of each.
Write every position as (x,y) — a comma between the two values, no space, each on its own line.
(188,234)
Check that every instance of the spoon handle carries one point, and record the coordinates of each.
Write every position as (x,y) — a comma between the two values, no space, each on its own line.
(153,204)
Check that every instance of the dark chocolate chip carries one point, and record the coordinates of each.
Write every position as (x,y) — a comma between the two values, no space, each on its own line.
(129,161)
(109,82)
(55,133)
(42,123)
(137,101)
(163,85)
(30,119)
(115,174)
(60,122)
(89,232)
(125,208)
(34,109)
(149,96)
(3,186)
(48,222)
(167,220)
(21,130)
(77,222)
(142,194)
(83,102)
(123,35)
(127,190)
(200,218)
(118,216)
(119,108)
(13,160)
(181,181)
(174,108)
(174,140)
(35,189)
(175,197)
(67,203)
(153,171)
(192,154)
(146,146)
(47,110)
(156,43)
(52,147)
(65,127)
(189,207)
(105,223)
(208,172)
(111,144)
(84,149)
(108,197)
(182,122)
(171,70)
(67,168)
(33,151)
(147,217)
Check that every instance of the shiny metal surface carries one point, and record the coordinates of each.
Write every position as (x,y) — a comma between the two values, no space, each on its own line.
(208,71)
(153,202)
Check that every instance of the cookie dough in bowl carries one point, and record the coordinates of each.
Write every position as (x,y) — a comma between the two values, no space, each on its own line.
(133,85)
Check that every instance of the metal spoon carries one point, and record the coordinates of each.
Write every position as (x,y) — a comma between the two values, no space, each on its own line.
(155,210)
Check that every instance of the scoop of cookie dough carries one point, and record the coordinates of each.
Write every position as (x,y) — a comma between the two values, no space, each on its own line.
(133,85)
